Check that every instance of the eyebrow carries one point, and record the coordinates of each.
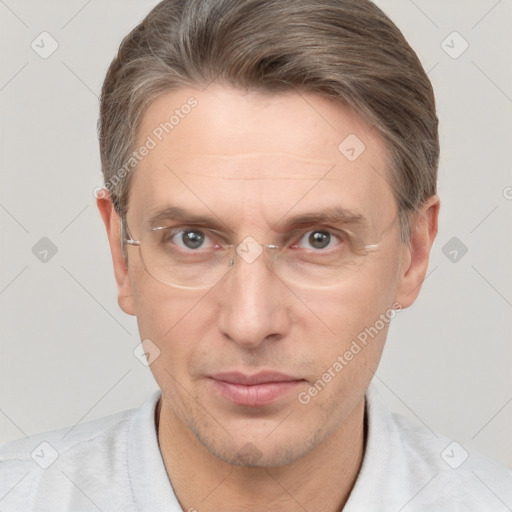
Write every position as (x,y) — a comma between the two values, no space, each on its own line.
(333,215)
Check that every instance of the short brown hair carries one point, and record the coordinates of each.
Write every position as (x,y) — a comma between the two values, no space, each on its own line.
(348,50)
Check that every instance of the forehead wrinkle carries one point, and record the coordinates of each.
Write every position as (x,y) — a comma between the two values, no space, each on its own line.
(252,178)
(259,153)
(194,166)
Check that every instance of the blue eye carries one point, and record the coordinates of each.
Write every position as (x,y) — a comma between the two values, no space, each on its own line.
(317,239)
(190,238)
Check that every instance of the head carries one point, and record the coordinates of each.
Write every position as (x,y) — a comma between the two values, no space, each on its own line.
(252,114)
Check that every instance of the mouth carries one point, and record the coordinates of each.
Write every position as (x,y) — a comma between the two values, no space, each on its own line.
(263,388)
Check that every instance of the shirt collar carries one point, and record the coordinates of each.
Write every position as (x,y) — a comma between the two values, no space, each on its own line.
(151,487)
(153,490)
(383,478)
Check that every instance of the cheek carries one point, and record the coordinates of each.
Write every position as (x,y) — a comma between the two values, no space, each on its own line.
(354,320)
(160,309)
(175,320)
(342,312)
(345,363)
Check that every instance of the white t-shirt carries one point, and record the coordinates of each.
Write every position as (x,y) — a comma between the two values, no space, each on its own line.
(115,464)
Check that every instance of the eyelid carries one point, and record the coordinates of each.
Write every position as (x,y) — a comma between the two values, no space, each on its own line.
(184,227)
(340,233)
(191,227)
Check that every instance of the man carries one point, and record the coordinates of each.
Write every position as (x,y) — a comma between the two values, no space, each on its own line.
(270,203)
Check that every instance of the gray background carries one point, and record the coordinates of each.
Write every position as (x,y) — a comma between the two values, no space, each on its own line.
(67,349)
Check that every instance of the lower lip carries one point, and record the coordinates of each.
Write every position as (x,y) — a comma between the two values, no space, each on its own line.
(256,395)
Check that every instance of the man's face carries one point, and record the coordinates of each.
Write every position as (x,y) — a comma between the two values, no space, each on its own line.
(251,165)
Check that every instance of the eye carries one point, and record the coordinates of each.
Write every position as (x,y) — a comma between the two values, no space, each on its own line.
(189,239)
(317,239)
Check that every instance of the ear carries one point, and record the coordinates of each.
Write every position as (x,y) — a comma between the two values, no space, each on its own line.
(415,254)
(113,225)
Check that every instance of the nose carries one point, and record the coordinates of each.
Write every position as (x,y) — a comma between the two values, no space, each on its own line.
(254,303)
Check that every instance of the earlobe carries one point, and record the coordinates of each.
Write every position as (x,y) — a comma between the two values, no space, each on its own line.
(415,255)
(113,226)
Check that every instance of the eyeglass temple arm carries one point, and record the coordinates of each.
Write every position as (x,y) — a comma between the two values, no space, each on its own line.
(126,236)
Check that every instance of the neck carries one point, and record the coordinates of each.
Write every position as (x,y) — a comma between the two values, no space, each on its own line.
(321,480)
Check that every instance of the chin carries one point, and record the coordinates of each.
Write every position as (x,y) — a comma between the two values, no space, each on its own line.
(258,451)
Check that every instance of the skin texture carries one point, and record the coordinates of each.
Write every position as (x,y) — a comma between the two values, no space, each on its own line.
(252,161)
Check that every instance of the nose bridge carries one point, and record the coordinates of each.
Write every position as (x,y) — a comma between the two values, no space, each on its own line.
(251,307)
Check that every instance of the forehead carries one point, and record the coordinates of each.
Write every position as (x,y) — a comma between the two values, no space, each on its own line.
(257,151)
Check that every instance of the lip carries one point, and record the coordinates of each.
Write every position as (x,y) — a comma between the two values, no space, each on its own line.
(262,377)
(256,390)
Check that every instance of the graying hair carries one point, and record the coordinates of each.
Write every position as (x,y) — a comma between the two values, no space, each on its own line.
(346,50)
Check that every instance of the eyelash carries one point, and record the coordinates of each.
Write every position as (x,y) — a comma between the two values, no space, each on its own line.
(171,232)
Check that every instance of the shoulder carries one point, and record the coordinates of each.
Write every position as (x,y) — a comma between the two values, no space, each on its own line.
(49,465)
(46,448)
(426,470)
(65,439)
(457,469)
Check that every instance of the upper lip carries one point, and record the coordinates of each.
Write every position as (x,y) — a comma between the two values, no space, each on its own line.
(262,377)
